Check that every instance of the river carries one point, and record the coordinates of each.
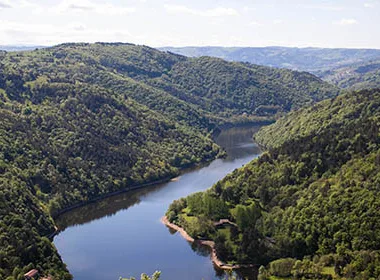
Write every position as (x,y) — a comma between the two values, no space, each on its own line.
(123,236)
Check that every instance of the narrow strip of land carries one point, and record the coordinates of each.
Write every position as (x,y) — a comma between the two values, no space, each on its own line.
(220,264)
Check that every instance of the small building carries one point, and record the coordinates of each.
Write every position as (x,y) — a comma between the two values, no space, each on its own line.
(31,275)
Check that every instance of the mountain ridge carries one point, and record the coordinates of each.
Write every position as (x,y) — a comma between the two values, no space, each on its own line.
(308,59)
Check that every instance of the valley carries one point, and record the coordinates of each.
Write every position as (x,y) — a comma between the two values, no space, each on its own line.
(80,122)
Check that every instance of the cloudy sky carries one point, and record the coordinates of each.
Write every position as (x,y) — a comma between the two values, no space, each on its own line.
(300,23)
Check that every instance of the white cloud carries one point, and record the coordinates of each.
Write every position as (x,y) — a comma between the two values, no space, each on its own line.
(278,21)
(26,4)
(255,23)
(49,34)
(77,26)
(18,4)
(5,4)
(248,9)
(369,5)
(216,12)
(88,6)
(346,21)
(325,7)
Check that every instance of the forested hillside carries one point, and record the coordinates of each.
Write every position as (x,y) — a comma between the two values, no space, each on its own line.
(313,196)
(64,142)
(191,91)
(82,120)
(357,76)
(228,89)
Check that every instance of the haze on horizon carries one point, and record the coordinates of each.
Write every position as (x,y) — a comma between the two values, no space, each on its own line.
(295,23)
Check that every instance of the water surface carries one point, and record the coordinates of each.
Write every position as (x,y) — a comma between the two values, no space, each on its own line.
(123,236)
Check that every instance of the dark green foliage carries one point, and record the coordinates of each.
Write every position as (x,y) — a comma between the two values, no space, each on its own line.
(64,141)
(199,92)
(23,223)
(227,89)
(79,121)
(317,187)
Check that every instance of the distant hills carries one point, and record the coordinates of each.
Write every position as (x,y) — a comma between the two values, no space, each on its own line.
(364,75)
(347,68)
(303,59)
(17,48)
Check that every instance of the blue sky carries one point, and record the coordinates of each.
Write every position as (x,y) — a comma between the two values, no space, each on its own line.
(300,23)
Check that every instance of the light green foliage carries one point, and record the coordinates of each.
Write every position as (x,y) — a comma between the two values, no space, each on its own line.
(79,121)
(282,267)
(204,203)
(198,227)
(317,188)
(246,215)
(64,139)
(263,273)
(156,276)
(239,88)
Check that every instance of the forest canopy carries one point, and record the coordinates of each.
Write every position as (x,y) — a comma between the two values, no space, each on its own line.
(79,121)
(312,197)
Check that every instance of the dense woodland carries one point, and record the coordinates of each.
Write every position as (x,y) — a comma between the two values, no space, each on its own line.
(82,120)
(75,146)
(352,69)
(309,205)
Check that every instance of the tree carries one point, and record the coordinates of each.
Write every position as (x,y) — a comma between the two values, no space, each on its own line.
(155,276)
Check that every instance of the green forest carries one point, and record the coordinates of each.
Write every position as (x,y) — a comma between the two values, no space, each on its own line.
(79,121)
(352,69)
(307,208)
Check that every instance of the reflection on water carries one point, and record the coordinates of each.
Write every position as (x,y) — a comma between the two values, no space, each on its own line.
(103,208)
(237,141)
(200,249)
(122,235)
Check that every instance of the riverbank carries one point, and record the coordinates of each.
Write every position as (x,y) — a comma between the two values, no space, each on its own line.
(173,177)
(211,244)
(106,195)
(118,225)
(242,124)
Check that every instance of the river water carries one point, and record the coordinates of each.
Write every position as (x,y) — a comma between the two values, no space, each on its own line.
(123,236)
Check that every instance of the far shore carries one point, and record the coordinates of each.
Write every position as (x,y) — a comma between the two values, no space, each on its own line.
(214,258)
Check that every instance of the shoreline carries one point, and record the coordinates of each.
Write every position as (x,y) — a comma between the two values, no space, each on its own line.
(110,194)
(167,179)
(211,244)
(170,178)
(101,197)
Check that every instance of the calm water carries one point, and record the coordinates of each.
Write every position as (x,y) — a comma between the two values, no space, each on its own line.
(123,235)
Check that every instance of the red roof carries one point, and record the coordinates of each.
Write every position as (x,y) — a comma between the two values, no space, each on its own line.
(31,273)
